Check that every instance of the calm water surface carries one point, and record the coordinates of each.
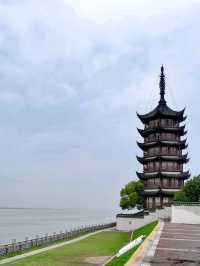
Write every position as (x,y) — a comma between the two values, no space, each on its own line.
(20,223)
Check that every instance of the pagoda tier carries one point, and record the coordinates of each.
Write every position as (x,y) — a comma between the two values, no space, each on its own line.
(159,129)
(163,157)
(162,111)
(163,174)
(181,144)
(173,158)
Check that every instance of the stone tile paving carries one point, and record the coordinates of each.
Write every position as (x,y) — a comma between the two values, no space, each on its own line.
(179,244)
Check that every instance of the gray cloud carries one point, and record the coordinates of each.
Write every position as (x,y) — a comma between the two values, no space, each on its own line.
(71,79)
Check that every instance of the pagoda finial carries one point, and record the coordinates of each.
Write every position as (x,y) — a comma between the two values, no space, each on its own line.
(162,86)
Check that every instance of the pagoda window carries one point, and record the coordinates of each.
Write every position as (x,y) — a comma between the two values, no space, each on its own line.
(157,136)
(172,150)
(157,150)
(174,123)
(165,200)
(154,123)
(151,165)
(163,122)
(170,165)
(157,122)
(164,136)
(164,150)
(180,167)
(168,122)
(165,182)
(157,165)
(151,151)
(164,165)
(151,137)
(150,202)
(151,182)
(157,201)
(176,183)
(169,136)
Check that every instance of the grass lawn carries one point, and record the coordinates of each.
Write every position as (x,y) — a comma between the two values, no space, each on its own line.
(102,244)
(145,230)
(43,245)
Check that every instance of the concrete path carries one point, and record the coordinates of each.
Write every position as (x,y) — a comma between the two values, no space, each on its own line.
(172,244)
(41,250)
(179,245)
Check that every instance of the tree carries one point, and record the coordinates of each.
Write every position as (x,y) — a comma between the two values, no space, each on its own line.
(190,192)
(192,189)
(130,195)
(180,196)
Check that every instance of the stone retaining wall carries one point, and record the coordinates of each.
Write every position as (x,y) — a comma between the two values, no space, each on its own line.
(187,213)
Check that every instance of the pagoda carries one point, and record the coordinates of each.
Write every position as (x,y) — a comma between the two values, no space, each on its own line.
(163,157)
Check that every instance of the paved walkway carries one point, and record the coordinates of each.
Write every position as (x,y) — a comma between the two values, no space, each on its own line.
(179,244)
(172,244)
(41,250)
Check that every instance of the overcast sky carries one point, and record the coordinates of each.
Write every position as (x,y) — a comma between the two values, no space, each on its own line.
(72,76)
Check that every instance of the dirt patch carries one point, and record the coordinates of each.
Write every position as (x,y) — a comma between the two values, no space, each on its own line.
(99,260)
(85,258)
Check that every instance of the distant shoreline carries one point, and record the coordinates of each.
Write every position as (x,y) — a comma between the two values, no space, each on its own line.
(31,208)
(64,209)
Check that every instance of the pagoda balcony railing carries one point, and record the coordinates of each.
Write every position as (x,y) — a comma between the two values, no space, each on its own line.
(150,154)
(153,139)
(160,169)
(160,124)
(152,186)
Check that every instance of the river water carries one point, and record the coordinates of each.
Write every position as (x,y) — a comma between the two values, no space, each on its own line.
(20,223)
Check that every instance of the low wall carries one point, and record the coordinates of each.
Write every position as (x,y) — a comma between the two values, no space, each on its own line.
(128,223)
(47,239)
(187,213)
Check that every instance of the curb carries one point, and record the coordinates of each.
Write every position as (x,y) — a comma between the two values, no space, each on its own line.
(137,254)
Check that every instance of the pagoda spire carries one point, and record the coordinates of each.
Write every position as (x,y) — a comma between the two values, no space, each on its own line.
(162,87)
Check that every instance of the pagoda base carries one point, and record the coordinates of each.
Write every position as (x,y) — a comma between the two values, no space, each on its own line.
(157,202)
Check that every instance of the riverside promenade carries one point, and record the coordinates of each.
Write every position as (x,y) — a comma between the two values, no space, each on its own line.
(170,244)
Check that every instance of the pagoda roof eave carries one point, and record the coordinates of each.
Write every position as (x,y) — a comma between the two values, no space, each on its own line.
(162,110)
(144,160)
(144,146)
(181,175)
(159,191)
